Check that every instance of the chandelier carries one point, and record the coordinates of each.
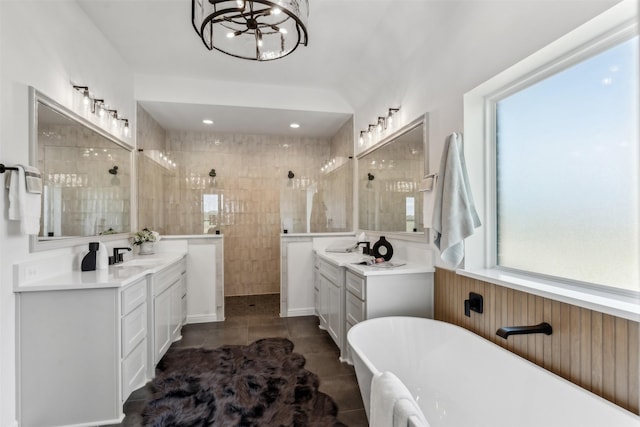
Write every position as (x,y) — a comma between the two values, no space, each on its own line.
(259,30)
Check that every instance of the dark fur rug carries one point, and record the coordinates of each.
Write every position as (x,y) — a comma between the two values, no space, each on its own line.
(262,384)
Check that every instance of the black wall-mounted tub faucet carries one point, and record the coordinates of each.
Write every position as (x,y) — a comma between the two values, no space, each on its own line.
(542,328)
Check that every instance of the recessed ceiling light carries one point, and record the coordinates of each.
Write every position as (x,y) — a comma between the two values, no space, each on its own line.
(294,125)
(207,121)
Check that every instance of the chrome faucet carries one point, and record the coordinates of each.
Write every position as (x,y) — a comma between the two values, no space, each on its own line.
(117,256)
(542,328)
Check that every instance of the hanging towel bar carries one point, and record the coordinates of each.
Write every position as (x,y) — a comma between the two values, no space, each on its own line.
(4,168)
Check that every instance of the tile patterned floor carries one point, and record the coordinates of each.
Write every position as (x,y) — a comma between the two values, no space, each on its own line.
(257,316)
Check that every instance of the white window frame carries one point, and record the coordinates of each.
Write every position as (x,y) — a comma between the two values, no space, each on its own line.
(606,30)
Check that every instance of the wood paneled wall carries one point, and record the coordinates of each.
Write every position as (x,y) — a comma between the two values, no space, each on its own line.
(594,350)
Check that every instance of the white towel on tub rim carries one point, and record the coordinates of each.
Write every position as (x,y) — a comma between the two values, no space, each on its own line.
(392,404)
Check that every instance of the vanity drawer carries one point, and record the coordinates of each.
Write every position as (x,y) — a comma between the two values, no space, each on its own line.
(355,309)
(134,329)
(355,285)
(133,296)
(134,368)
(331,272)
(167,277)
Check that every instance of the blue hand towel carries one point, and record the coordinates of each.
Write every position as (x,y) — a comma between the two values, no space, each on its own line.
(454,213)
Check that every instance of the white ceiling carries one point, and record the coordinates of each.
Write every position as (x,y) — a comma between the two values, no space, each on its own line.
(354,45)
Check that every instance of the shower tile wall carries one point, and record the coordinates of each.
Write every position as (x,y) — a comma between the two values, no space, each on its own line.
(151,137)
(250,200)
(250,171)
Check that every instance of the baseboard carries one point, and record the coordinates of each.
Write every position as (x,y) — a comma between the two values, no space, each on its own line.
(311,311)
(203,318)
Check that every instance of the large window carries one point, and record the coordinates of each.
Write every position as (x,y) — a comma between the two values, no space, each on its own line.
(567,161)
(552,149)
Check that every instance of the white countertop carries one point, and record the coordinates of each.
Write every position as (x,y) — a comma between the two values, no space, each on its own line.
(117,275)
(350,261)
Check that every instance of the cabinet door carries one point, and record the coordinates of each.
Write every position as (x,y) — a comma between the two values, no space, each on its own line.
(323,313)
(176,309)
(334,319)
(162,322)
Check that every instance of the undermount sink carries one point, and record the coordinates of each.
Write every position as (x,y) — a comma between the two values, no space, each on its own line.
(139,262)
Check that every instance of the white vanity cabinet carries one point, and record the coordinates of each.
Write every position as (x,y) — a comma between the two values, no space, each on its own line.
(167,297)
(330,299)
(87,340)
(372,293)
(81,352)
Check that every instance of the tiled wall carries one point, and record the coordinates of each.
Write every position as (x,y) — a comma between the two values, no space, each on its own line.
(151,174)
(256,199)
(594,350)
(89,200)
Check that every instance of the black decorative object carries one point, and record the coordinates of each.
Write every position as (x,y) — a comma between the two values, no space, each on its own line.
(89,260)
(383,249)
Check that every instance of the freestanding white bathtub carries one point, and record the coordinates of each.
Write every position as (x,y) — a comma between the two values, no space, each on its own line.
(460,379)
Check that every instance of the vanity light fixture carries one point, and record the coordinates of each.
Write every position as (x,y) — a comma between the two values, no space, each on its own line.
(207,121)
(86,99)
(258,30)
(391,115)
(97,107)
(382,124)
(125,128)
(100,108)
(294,125)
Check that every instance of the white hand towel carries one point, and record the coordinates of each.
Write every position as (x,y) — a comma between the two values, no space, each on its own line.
(23,206)
(406,413)
(33,179)
(454,214)
(386,391)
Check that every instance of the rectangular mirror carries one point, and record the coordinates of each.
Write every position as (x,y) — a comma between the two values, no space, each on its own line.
(389,178)
(86,177)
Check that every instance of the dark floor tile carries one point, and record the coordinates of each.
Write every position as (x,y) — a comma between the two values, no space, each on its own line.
(266,331)
(265,320)
(344,390)
(143,393)
(354,418)
(315,344)
(327,365)
(303,326)
(230,336)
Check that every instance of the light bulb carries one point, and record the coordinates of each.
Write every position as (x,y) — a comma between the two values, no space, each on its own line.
(283,31)
(86,98)
(276,10)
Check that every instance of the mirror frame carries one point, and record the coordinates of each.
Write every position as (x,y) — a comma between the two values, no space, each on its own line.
(423,121)
(35,99)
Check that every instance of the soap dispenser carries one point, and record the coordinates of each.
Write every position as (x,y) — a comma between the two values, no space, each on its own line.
(89,260)
(102,260)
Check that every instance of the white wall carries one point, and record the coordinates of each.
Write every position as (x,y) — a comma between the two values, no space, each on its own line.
(486,37)
(45,44)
